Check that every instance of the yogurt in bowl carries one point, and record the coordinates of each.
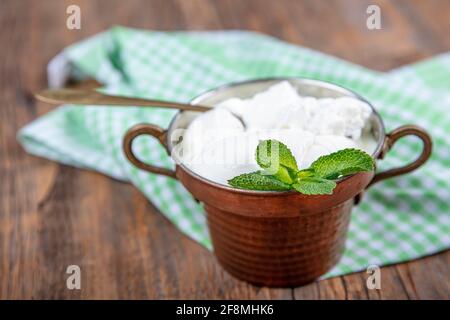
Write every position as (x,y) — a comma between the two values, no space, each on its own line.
(274,238)
(220,144)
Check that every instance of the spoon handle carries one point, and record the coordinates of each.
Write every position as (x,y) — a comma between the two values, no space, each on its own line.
(90,97)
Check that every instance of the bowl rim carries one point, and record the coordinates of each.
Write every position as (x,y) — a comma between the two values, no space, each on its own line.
(311,81)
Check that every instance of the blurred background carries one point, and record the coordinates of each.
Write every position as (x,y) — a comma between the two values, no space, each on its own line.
(51,215)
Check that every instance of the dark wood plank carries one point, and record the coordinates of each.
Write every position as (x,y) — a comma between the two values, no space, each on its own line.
(52,215)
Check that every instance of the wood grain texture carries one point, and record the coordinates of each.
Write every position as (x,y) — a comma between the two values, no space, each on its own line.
(52,215)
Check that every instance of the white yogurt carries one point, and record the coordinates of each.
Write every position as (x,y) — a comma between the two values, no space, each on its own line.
(217,145)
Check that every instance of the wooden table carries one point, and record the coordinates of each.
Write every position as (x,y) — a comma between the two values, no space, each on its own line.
(52,216)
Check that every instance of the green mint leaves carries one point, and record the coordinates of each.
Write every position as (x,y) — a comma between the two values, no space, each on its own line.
(342,163)
(258,181)
(313,185)
(276,159)
(280,171)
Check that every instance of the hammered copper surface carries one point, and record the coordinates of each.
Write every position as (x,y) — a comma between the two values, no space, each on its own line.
(277,239)
(279,251)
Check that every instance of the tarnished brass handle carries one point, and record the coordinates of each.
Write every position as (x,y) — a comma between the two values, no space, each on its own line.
(390,140)
(151,130)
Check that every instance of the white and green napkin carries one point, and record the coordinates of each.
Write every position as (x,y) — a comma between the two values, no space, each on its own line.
(400,219)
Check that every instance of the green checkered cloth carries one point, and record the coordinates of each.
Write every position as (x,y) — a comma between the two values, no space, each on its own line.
(399,219)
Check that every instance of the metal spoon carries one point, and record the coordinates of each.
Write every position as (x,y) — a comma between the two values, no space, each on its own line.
(90,97)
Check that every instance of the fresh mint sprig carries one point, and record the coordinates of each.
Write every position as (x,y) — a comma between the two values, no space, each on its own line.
(280,171)
(276,159)
(259,181)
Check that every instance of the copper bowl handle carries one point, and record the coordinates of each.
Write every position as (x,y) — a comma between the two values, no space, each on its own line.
(390,140)
(151,130)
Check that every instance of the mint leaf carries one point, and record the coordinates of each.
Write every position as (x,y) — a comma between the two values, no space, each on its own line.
(258,181)
(274,153)
(313,185)
(276,159)
(281,173)
(305,173)
(342,163)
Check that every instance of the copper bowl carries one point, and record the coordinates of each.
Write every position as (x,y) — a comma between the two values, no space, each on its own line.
(277,239)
